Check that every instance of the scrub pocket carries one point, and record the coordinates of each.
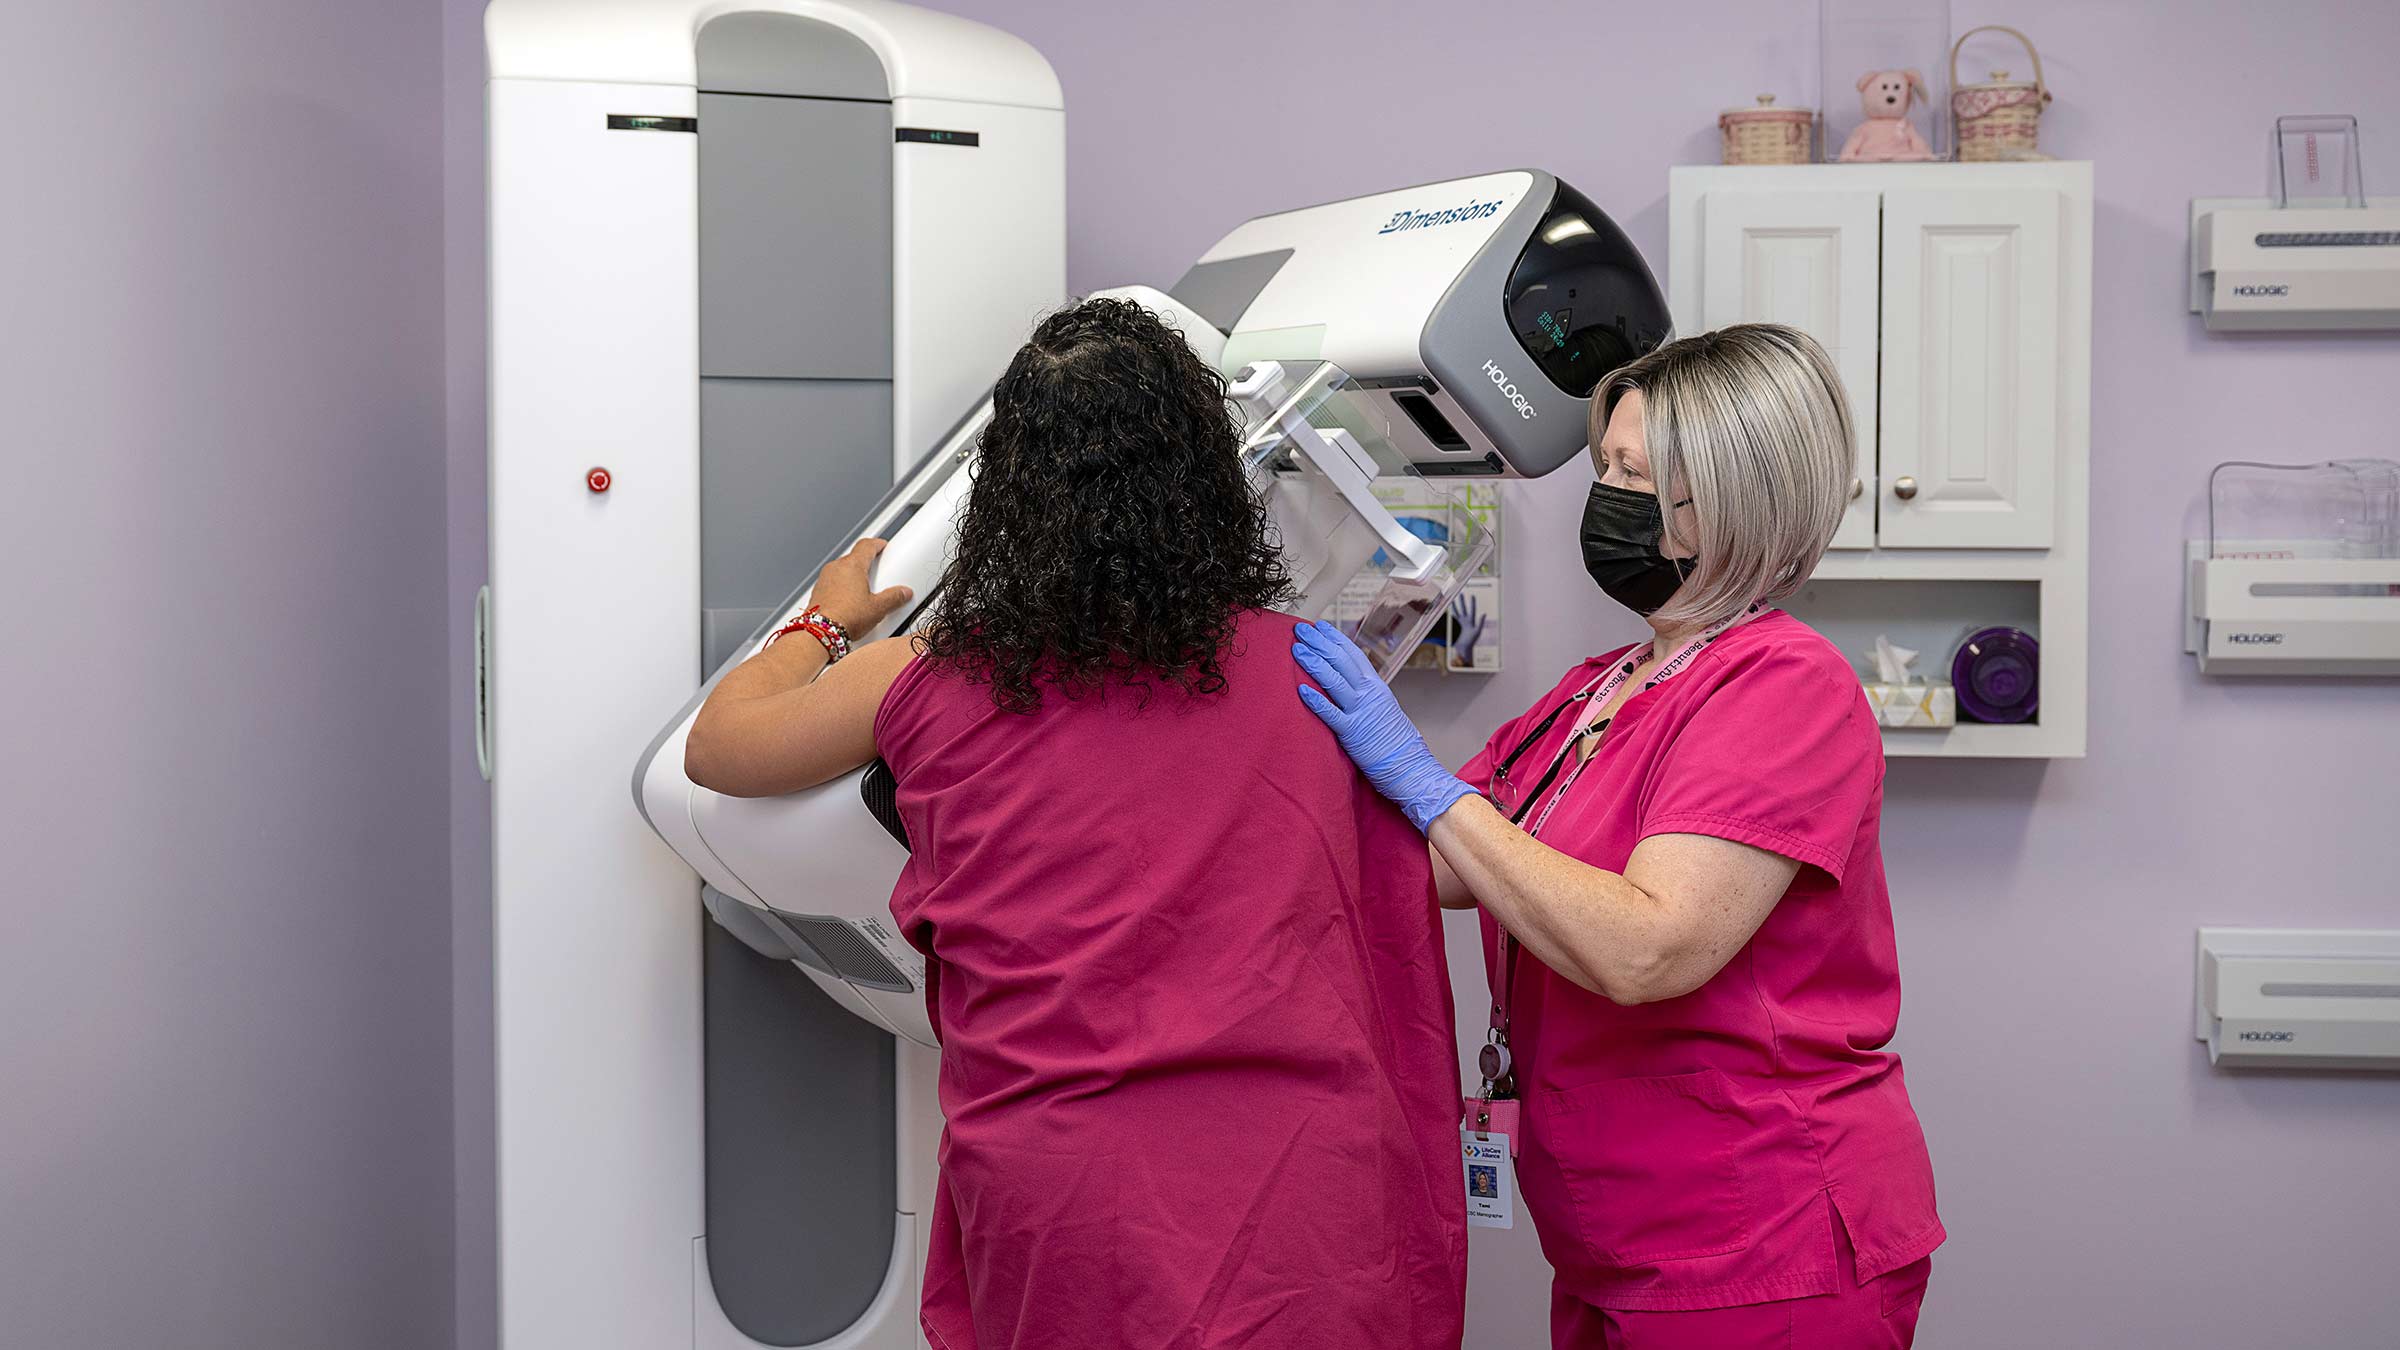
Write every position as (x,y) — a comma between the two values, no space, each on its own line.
(1649,1167)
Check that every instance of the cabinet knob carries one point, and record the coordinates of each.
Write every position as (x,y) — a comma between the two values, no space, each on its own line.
(1904,487)
(1858,488)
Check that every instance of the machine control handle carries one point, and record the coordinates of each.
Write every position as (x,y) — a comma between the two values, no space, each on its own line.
(1858,488)
(1904,487)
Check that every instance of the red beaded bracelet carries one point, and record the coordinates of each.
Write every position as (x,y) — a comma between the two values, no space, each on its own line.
(828,633)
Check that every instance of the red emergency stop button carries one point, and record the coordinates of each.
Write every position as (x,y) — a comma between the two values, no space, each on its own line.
(598,480)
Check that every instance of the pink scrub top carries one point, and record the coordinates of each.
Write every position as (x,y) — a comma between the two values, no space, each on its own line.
(1696,1152)
(1198,1060)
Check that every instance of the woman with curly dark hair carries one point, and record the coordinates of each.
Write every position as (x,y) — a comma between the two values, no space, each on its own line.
(1197,1057)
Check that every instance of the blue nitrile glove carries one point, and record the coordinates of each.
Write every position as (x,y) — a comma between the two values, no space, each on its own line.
(1367,720)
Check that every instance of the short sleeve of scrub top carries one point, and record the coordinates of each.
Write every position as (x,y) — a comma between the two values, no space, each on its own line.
(1773,756)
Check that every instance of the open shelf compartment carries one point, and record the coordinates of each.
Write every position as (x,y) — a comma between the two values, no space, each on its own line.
(1931,617)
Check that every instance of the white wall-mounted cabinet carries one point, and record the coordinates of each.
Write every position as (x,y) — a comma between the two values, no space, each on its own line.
(1971,335)
(1956,301)
(1808,260)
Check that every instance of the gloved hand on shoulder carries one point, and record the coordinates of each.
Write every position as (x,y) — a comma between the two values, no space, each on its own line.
(1366,719)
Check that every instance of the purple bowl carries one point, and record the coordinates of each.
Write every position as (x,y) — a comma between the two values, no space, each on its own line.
(1997,673)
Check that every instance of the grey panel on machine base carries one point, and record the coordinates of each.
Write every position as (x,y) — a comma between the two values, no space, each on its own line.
(1221,291)
(795,444)
(787,467)
(760,53)
(795,238)
(802,1169)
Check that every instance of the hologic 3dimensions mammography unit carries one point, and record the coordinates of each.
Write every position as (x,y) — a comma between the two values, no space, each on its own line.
(753,271)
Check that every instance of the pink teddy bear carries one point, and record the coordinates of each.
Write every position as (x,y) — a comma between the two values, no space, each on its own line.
(1887,134)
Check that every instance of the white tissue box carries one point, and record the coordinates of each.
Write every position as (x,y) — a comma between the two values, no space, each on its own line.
(1913,705)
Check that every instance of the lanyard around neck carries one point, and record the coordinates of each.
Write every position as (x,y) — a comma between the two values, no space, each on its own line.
(1597,694)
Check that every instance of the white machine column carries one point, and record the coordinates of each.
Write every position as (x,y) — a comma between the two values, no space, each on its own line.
(594,353)
(720,238)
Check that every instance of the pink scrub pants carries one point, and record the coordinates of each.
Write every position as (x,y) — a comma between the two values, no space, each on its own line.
(1879,1315)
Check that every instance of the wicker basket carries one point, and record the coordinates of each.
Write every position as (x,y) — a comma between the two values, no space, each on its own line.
(1767,134)
(2002,119)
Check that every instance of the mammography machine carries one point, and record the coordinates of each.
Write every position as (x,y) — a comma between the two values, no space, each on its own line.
(749,267)
(1350,353)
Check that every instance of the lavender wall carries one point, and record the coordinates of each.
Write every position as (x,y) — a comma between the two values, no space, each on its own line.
(2103,1185)
(224,973)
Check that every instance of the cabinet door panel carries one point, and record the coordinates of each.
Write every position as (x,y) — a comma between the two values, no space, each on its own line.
(1970,371)
(1806,259)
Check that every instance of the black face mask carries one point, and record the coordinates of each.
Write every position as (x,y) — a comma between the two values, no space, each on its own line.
(1621,533)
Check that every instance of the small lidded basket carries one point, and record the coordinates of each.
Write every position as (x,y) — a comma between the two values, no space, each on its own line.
(2000,119)
(1767,134)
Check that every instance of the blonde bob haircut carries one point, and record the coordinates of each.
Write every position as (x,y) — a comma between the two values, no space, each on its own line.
(1749,423)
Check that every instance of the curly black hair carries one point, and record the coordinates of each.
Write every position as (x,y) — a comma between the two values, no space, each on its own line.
(1111,534)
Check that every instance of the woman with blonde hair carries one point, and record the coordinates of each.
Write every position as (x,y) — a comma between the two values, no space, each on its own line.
(1677,860)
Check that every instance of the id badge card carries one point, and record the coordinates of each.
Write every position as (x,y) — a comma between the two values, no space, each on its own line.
(1486,1143)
